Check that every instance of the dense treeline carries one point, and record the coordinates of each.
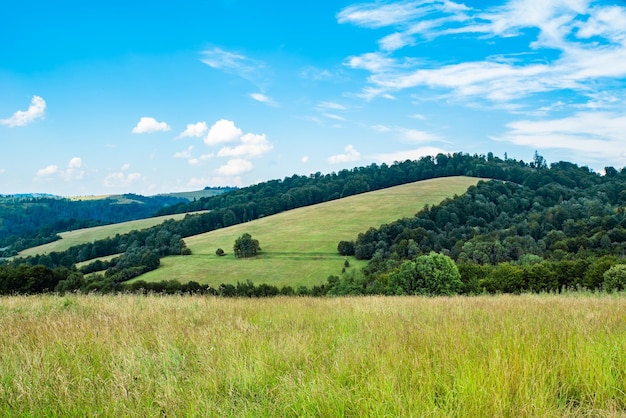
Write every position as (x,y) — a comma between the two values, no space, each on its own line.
(30,221)
(562,227)
(537,228)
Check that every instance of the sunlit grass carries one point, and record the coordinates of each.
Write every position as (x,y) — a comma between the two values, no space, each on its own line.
(299,247)
(529,355)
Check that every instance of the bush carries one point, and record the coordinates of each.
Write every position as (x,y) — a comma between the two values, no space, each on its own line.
(615,278)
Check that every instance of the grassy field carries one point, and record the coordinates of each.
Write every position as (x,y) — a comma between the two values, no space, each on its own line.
(299,247)
(504,356)
(82,236)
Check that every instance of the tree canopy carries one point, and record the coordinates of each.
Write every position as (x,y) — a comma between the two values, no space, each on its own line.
(246,246)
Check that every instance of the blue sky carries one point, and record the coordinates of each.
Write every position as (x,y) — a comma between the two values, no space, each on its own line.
(148,97)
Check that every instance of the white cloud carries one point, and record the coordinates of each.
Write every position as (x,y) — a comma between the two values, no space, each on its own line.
(565,45)
(222,131)
(202,158)
(125,167)
(351,155)
(74,170)
(305,159)
(413,135)
(3,170)
(595,135)
(376,15)
(251,146)
(48,171)
(194,130)
(260,97)
(331,106)
(147,125)
(415,154)
(121,180)
(233,63)
(35,111)
(333,116)
(184,154)
(235,167)
(381,128)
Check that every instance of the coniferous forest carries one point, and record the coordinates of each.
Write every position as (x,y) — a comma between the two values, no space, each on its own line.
(529,227)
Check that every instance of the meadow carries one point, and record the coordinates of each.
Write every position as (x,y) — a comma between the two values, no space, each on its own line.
(86,235)
(299,247)
(125,355)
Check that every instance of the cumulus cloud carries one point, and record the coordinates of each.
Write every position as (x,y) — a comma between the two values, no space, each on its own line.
(36,110)
(252,146)
(121,179)
(235,167)
(222,131)
(194,130)
(350,155)
(305,159)
(48,171)
(148,125)
(74,170)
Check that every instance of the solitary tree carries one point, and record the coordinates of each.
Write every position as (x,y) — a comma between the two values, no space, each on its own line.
(245,246)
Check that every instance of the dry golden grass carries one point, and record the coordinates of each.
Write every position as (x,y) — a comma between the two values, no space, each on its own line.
(529,355)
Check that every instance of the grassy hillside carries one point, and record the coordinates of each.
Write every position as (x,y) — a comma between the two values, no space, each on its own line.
(488,356)
(299,247)
(81,236)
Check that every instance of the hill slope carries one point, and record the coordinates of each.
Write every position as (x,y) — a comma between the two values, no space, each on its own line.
(81,236)
(299,247)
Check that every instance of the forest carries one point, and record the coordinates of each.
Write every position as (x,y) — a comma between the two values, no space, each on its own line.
(27,221)
(533,228)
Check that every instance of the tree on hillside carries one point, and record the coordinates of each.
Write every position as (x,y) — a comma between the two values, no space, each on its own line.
(432,274)
(245,246)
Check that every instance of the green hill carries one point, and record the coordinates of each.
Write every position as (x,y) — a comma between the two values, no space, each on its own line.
(299,247)
(81,236)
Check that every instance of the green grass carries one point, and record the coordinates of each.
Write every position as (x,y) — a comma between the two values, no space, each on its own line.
(299,247)
(491,356)
(87,235)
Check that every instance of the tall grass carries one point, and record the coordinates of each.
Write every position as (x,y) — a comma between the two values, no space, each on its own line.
(530,355)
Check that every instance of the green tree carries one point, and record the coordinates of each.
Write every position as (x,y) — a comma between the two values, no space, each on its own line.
(432,274)
(615,278)
(245,246)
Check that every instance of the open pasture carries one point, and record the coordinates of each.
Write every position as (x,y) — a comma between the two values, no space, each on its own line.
(125,355)
(299,247)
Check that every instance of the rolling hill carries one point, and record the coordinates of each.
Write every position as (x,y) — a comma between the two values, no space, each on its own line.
(81,236)
(299,247)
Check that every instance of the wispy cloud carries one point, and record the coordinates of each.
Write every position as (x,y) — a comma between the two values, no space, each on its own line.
(350,155)
(262,98)
(148,125)
(234,63)
(579,46)
(597,135)
(36,110)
